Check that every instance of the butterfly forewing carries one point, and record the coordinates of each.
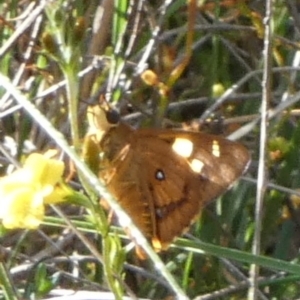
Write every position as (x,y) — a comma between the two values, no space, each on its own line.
(223,160)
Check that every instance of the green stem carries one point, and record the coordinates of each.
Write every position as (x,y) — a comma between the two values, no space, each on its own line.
(72,88)
(6,285)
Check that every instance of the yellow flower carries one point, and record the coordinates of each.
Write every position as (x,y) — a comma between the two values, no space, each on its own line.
(24,193)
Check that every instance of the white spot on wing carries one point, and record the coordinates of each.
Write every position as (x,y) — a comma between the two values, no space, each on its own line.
(183,147)
(196,165)
(160,175)
(216,149)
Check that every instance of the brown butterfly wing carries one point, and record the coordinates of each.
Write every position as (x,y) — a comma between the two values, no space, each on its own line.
(157,187)
(182,192)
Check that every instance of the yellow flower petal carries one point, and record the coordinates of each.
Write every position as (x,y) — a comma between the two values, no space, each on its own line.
(59,194)
(24,192)
(20,176)
(46,170)
(53,172)
(37,163)
(22,208)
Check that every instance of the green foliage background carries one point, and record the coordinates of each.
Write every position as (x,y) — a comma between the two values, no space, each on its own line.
(63,54)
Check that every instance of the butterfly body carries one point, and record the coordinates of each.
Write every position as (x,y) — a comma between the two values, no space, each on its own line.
(162,189)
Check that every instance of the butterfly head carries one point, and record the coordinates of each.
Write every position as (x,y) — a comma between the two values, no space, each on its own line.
(101,118)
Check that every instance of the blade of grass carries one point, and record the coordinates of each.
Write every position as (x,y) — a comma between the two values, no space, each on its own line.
(262,169)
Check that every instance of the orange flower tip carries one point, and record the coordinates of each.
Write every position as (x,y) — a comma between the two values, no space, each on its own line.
(150,78)
(156,244)
(141,254)
(218,90)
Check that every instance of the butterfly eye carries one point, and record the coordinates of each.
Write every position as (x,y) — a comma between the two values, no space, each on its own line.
(112,116)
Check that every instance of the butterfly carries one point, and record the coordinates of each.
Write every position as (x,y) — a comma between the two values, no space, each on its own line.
(161,177)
